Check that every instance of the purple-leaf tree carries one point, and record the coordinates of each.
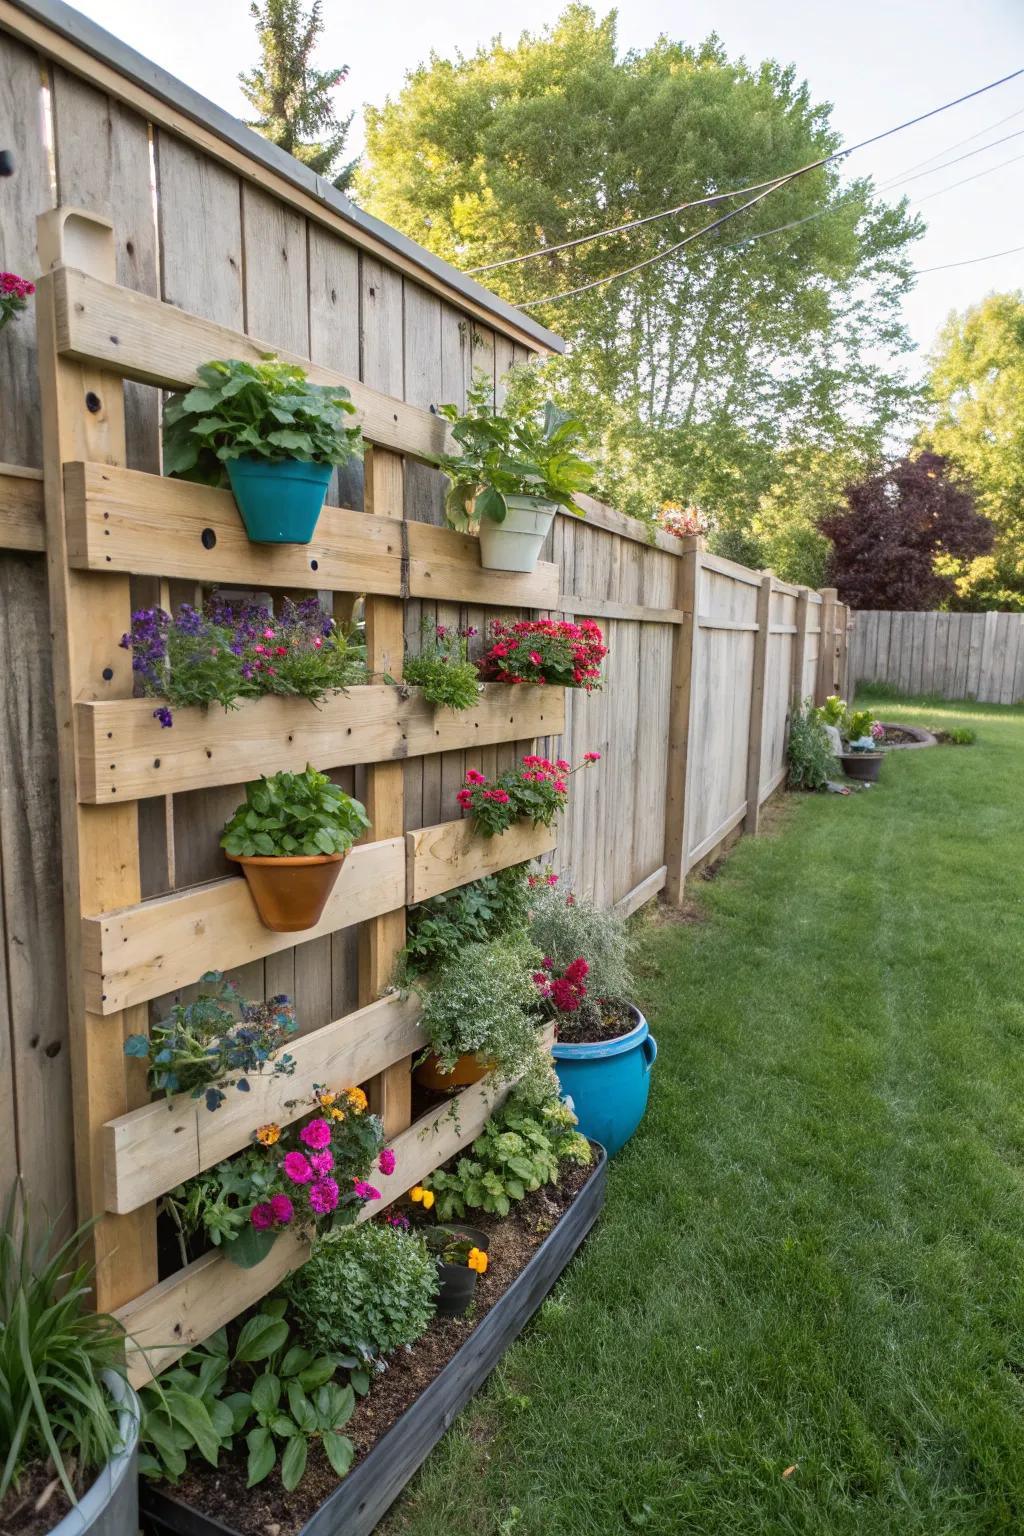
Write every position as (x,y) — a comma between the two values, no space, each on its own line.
(895,523)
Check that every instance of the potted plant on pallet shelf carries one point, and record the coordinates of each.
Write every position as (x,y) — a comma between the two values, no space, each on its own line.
(604,1049)
(69,1422)
(512,473)
(861,735)
(291,836)
(267,431)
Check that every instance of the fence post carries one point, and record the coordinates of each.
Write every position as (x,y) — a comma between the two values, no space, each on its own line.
(684,653)
(826,682)
(844,681)
(798,655)
(381,938)
(755,732)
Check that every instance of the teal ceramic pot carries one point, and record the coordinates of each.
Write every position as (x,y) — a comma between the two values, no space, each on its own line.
(608,1082)
(280,502)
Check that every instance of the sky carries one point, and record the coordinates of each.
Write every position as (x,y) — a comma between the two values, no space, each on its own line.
(879,62)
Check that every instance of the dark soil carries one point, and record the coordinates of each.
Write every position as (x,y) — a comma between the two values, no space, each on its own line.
(37,1504)
(895,736)
(592,1023)
(268,1510)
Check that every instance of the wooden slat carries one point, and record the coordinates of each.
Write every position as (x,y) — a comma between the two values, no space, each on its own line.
(143,951)
(446,566)
(642,893)
(160,1145)
(707,621)
(22,516)
(123,750)
(606,608)
(755,733)
(150,525)
(680,721)
(722,831)
(172,1317)
(598,515)
(452,853)
(726,567)
(143,338)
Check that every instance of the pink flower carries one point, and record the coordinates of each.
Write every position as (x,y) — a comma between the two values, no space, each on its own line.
(323,1196)
(268,634)
(552,879)
(260,650)
(365,1191)
(563,766)
(465,798)
(499,796)
(317,642)
(473,776)
(591,757)
(559,787)
(262,1216)
(297,1168)
(316,1134)
(282,1209)
(535,657)
(321,1162)
(386,1162)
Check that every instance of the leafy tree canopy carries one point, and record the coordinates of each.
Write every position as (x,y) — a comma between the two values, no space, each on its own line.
(976,387)
(292,100)
(707,375)
(889,542)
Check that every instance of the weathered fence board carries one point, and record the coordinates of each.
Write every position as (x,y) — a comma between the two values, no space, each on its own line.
(953,655)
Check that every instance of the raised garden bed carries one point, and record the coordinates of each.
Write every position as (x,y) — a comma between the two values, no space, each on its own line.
(900,738)
(411,1406)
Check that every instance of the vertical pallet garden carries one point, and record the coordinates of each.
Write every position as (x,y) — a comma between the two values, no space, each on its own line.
(108,526)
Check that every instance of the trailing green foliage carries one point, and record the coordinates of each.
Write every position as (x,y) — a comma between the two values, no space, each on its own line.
(216,1041)
(269,410)
(810,759)
(53,1406)
(518,1150)
(564,926)
(366,1291)
(443,670)
(283,1399)
(509,453)
(441,927)
(292,814)
(483,1002)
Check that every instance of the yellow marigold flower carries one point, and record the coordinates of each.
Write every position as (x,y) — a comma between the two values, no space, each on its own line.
(266,1135)
(417,1192)
(336,1114)
(326,1097)
(357,1098)
(428,1199)
(477,1260)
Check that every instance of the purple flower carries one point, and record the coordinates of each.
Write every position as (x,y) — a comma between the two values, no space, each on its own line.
(316,1134)
(262,1216)
(365,1191)
(282,1209)
(323,1196)
(386,1161)
(297,1168)
(164,715)
(321,1162)
(399,1220)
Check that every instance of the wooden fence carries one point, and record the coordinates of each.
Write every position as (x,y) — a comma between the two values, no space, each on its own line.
(954,655)
(192,244)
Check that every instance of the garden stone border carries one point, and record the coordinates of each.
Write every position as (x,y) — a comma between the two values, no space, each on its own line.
(922,738)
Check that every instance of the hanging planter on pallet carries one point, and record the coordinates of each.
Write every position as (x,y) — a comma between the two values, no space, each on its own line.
(280,500)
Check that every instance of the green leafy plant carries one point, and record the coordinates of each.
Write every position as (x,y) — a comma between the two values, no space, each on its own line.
(833,711)
(442,669)
(294,813)
(439,928)
(514,454)
(365,1291)
(483,1002)
(215,1042)
(960,736)
(858,724)
(53,1405)
(535,791)
(268,410)
(564,926)
(283,1398)
(810,759)
(518,1150)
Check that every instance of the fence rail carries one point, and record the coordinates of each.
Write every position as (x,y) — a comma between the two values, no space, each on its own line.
(955,655)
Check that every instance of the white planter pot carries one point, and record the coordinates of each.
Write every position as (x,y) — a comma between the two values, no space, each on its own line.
(515,544)
(110,1507)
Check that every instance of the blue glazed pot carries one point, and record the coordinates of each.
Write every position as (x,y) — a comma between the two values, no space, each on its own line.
(608,1082)
(279,501)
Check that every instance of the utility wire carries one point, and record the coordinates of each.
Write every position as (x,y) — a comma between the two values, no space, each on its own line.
(970,262)
(718,197)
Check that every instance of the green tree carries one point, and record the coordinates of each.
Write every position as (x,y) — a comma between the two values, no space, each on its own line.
(705,373)
(976,387)
(292,100)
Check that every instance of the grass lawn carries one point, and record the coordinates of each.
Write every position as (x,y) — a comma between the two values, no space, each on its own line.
(803,1309)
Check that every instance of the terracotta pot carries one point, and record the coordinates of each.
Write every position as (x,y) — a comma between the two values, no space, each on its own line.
(290,893)
(468,1069)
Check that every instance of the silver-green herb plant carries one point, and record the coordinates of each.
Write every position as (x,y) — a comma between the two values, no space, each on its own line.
(364,1290)
(483,1001)
(564,927)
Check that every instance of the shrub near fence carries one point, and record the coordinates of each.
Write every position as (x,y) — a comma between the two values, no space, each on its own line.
(705,656)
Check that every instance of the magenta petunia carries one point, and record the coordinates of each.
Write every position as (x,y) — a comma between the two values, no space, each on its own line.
(365,1191)
(282,1209)
(297,1168)
(316,1134)
(321,1162)
(386,1161)
(323,1196)
(262,1216)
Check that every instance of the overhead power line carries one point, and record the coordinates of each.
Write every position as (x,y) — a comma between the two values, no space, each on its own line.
(718,197)
(767,190)
(970,262)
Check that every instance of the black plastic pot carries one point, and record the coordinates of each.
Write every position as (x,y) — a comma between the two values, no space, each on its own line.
(361,1500)
(458,1281)
(864,766)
